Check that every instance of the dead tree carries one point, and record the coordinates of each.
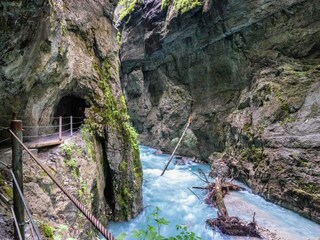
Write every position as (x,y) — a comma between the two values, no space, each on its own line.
(229,225)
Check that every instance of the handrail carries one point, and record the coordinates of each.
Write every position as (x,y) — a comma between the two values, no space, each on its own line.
(34,225)
(27,208)
(72,126)
(95,222)
(16,223)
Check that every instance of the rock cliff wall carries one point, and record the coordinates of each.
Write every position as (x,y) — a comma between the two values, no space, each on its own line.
(248,72)
(63,55)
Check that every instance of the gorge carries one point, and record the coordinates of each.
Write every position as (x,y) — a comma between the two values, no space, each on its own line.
(247,72)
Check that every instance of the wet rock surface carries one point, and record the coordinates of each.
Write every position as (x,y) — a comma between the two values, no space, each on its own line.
(248,73)
(56,50)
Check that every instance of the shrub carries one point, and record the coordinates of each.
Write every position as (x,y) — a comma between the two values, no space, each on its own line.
(154,232)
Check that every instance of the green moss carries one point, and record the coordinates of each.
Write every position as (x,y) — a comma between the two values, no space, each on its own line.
(253,154)
(90,234)
(113,113)
(87,136)
(186,5)
(116,115)
(8,191)
(46,230)
(190,140)
(128,7)
(282,97)
(123,199)
(164,4)
(246,128)
(182,5)
(119,36)
(82,191)
(69,151)
(123,167)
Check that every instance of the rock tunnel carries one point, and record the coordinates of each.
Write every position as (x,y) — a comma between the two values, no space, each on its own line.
(70,106)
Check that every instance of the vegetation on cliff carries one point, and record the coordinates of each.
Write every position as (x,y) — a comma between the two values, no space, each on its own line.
(128,7)
(182,6)
(112,116)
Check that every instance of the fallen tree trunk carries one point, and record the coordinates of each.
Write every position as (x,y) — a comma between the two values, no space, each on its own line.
(222,210)
(229,225)
(223,187)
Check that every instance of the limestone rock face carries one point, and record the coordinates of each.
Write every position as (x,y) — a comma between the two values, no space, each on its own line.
(55,50)
(248,73)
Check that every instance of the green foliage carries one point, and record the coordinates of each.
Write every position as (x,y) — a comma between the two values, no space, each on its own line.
(113,113)
(119,35)
(83,188)
(46,230)
(8,191)
(186,5)
(182,6)
(116,116)
(164,4)
(59,231)
(5,188)
(153,231)
(69,151)
(87,136)
(127,7)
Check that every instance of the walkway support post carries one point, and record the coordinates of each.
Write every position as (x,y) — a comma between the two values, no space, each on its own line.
(16,127)
(71,125)
(60,128)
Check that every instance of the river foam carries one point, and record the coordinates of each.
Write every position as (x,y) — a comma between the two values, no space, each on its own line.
(181,206)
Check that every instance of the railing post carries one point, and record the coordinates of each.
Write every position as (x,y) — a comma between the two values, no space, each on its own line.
(16,127)
(71,126)
(60,128)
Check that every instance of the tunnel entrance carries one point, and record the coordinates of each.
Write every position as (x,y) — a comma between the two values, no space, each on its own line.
(70,106)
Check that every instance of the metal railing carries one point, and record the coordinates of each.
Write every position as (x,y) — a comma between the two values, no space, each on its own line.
(19,202)
(64,126)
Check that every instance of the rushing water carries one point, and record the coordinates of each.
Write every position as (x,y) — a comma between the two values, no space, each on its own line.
(180,206)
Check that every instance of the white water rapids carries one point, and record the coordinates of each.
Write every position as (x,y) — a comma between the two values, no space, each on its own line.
(180,206)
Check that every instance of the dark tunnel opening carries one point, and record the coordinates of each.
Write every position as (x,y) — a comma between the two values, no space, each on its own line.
(70,106)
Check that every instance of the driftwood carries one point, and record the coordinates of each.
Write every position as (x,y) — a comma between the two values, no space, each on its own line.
(224,186)
(175,149)
(222,210)
(227,225)
(234,226)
